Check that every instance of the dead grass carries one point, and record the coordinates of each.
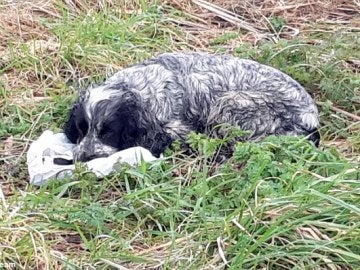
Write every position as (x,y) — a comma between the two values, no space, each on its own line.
(21,22)
(255,17)
(209,19)
(21,25)
(24,37)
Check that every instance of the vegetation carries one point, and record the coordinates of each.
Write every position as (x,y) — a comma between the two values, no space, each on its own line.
(276,204)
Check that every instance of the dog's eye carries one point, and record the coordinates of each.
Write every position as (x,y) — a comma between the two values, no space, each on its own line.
(109,136)
(105,130)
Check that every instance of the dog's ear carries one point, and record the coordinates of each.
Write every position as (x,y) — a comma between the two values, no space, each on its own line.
(76,126)
(130,131)
(70,128)
(137,126)
(124,127)
(149,131)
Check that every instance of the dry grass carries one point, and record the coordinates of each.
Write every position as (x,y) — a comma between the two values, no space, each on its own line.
(254,17)
(22,24)
(50,227)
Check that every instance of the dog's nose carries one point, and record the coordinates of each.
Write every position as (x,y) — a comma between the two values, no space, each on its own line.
(84,157)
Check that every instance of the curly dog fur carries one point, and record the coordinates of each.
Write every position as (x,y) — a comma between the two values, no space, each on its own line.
(162,99)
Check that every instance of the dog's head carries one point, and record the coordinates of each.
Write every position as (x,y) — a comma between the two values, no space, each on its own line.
(102,122)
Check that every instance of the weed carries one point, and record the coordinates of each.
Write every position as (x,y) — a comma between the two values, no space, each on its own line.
(277,23)
(224,38)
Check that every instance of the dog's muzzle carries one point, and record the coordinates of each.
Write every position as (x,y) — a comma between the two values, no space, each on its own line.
(90,148)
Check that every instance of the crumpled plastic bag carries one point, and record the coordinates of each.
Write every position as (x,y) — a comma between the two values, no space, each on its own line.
(50,146)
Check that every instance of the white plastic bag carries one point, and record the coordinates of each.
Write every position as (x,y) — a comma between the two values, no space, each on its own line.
(41,154)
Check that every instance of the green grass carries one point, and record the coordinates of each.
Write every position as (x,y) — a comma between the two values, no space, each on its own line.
(277,204)
(281,203)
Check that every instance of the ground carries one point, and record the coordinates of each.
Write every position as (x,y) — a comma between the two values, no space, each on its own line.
(277,204)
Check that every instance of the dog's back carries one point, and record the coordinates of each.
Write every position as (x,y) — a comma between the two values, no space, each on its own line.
(225,89)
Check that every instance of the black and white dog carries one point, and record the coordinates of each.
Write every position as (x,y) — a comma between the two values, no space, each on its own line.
(160,100)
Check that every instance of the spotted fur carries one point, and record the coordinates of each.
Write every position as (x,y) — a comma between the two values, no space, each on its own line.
(162,99)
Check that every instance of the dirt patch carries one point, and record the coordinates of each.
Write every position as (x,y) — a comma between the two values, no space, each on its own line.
(21,22)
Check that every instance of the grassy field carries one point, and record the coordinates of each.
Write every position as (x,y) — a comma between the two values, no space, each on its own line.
(278,204)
